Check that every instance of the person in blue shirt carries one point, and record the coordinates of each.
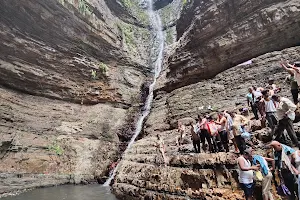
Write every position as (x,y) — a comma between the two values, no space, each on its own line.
(267,175)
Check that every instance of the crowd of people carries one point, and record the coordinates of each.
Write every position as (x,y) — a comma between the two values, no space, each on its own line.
(215,132)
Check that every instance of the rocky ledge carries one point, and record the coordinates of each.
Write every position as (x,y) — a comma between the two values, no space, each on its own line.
(190,175)
(71,74)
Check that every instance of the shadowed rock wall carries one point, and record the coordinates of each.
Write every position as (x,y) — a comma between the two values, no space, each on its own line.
(216,35)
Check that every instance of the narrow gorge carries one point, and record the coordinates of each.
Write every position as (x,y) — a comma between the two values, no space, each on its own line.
(89,84)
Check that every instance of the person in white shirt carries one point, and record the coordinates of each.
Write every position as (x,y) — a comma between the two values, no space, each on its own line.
(286,115)
(270,110)
(246,173)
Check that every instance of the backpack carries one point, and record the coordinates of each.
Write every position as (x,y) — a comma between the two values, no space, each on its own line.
(212,128)
(245,134)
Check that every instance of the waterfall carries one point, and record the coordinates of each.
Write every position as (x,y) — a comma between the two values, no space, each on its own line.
(157,66)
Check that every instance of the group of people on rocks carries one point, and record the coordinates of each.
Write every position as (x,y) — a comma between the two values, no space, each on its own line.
(215,132)
(280,114)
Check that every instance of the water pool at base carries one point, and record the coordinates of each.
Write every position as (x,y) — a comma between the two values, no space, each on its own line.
(67,192)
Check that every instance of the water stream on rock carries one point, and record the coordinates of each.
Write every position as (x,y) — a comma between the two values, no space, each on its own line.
(157,66)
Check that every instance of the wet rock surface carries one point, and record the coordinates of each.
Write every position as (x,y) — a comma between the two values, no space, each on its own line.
(71,76)
(70,72)
(190,175)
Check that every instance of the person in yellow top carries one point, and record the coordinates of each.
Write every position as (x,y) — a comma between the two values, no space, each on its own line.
(239,122)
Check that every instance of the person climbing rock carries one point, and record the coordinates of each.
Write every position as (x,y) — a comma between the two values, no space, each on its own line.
(270,110)
(229,124)
(195,137)
(292,80)
(161,148)
(213,130)
(221,121)
(284,166)
(251,100)
(286,115)
(267,175)
(204,134)
(181,130)
(246,173)
(239,122)
(296,167)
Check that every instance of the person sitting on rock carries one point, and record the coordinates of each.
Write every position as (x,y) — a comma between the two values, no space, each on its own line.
(204,134)
(181,130)
(221,121)
(286,114)
(195,137)
(267,175)
(246,173)
(239,122)
(270,110)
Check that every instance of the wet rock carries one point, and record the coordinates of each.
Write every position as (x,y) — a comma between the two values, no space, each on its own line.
(204,175)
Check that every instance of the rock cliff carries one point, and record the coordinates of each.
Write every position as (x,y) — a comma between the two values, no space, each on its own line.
(71,72)
(212,36)
(216,35)
(71,75)
(189,175)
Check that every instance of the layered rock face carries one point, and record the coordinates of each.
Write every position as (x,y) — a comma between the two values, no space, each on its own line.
(70,79)
(216,35)
(189,175)
(213,36)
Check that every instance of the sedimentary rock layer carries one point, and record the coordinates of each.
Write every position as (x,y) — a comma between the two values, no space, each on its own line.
(189,175)
(216,35)
(70,78)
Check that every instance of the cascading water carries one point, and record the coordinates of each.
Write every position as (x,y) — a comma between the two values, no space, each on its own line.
(157,66)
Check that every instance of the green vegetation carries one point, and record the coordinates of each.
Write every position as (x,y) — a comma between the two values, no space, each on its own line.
(128,34)
(94,74)
(54,147)
(166,14)
(102,67)
(133,7)
(184,2)
(84,7)
(169,36)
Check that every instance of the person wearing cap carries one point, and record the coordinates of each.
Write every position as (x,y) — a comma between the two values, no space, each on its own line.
(283,165)
(285,111)
(246,175)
